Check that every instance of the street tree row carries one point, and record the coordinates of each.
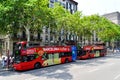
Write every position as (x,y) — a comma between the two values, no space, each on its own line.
(35,14)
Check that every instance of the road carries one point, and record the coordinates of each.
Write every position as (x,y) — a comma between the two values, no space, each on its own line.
(102,68)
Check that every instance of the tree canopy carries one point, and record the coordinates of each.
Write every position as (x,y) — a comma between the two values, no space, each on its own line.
(34,14)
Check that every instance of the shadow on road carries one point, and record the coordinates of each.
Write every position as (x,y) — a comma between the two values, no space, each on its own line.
(57,72)
(62,71)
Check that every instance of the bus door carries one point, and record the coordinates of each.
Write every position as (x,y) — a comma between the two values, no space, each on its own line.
(74,53)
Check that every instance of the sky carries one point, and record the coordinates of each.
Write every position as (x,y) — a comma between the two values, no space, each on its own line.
(89,7)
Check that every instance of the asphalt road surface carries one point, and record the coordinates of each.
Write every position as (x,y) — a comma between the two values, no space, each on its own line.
(102,68)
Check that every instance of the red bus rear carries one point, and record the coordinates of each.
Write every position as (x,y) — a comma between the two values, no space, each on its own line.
(92,51)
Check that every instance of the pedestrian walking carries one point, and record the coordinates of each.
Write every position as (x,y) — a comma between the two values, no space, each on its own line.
(3,62)
(11,61)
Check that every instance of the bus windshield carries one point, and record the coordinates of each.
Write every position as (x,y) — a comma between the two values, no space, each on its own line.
(17,59)
(18,46)
(16,53)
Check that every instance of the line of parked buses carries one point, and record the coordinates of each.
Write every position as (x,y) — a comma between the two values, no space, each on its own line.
(34,57)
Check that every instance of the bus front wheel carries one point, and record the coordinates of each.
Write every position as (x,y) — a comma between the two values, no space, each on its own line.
(37,65)
(66,60)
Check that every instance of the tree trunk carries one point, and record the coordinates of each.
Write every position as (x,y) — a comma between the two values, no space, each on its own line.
(8,50)
(49,35)
(28,34)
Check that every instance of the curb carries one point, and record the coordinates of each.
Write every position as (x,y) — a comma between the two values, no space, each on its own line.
(2,70)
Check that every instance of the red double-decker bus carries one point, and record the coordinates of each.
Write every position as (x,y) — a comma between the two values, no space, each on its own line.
(29,57)
(92,51)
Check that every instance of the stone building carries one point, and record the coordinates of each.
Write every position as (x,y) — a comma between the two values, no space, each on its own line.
(115,18)
(70,5)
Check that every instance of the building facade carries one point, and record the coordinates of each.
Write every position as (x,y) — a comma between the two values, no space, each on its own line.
(114,17)
(70,5)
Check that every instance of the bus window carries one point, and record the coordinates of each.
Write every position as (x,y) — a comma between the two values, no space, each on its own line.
(61,54)
(29,44)
(65,54)
(80,52)
(24,59)
(91,51)
(44,56)
(30,57)
(68,54)
(97,51)
(17,59)
(103,51)
(83,53)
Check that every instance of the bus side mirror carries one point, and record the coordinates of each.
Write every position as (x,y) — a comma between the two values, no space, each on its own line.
(19,47)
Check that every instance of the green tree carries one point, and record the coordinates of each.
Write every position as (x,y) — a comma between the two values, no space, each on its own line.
(30,14)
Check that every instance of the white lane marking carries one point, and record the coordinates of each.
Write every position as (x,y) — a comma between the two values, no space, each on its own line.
(33,78)
(59,71)
(93,70)
(111,64)
(117,77)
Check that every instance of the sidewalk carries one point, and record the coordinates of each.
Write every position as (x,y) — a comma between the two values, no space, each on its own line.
(109,52)
(4,69)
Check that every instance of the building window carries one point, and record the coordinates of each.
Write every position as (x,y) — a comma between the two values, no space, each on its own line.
(52,1)
(63,4)
(38,36)
(75,7)
(51,38)
(46,38)
(69,6)
(46,30)
(72,6)
(56,0)
(51,5)
(66,5)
